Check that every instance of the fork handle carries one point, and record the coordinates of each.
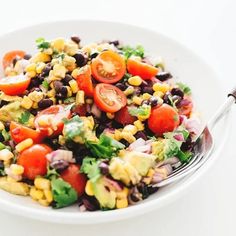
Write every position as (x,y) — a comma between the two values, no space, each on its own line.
(224,109)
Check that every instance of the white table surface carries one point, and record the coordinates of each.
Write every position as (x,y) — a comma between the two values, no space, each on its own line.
(206,26)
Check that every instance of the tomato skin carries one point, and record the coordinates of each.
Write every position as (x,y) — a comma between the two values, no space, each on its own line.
(80,110)
(108,67)
(9,57)
(84,81)
(34,160)
(123,117)
(20,133)
(14,85)
(76,179)
(56,114)
(163,119)
(144,70)
(109,98)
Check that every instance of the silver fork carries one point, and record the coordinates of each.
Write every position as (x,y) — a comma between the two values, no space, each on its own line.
(203,146)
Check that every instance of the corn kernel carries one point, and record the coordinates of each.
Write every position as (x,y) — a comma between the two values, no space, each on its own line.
(128,137)
(71,48)
(39,67)
(110,115)
(135,80)
(89,188)
(43,202)
(79,99)
(40,57)
(129,91)
(35,96)
(1,126)
(42,183)
(75,73)
(16,169)
(31,122)
(36,194)
(6,155)
(89,101)
(130,129)
(158,94)
(48,51)
(74,86)
(26,102)
(30,67)
(54,100)
(121,203)
(161,87)
(146,96)
(69,91)
(48,195)
(51,93)
(59,71)
(31,74)
(137,100)
(139,125)
(35,105)
(58,44)
(24,144)
(68,61)
(117,135)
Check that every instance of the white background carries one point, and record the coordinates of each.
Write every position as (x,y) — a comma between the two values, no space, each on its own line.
(207,27)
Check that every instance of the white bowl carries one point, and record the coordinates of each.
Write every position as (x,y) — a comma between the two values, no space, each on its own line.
(180,61)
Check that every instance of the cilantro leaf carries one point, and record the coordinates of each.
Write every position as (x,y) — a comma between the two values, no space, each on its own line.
(129,51)
(24,118)
(106,147)
(51,173)
(90,166)
(143,110)
(45,84)
(184,88)
(42,44)
(63,194)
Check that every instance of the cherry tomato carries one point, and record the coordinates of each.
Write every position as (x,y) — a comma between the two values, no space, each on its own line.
(34,160)
(75,178)
(14,85)
(108,67)
(123,117)
(186,109)
(144,70)
(20,132)
(84,80)
(163,119)
(10,56)
(109,98)
(49,121)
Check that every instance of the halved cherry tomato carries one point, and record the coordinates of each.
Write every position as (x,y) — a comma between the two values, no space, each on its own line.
(144,70)
(73,176)
(109,98)
(34,160)
(20,132)
(163,119)
(84,80)
(14,85)
(123,117)
(10,56)
(49,121)
(186,109)
(108,67)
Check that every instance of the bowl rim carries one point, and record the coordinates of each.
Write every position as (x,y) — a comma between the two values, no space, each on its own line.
(132,211)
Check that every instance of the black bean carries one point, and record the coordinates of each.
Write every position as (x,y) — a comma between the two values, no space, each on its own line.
(28,181)
(166,99)
(57,85)
(187,145)
(1,138)
(147,89)
(115,42)
(145,102)
(45,103)
(137,91)
(94,55)
(35,82)
(35,89)
(7,125)
(1,164)
(90,203)
(177,91)
(163,76)
(121,86)
(75,39)
(143,189)
(15,60)
(67,79)
(34,112)
(140,134)
(153,101)
(104,168)
(46,70)
(81,59)
(3,103)
(176,99)
(27,56)
(59,165)
(123,141)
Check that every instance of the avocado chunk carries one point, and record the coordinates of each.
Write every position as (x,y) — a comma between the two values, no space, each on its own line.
(11,112)
(142,162)
(103,193)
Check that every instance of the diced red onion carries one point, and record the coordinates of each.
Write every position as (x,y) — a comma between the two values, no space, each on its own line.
(61,155)
(96,111)
(113,184)
(139,142)
(179,137)
(171,161)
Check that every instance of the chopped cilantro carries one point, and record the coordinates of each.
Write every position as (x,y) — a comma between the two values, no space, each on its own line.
(45,84)
(51,173)
(184,88)
(90,167)
(42,44)
(24,118)
(129,51)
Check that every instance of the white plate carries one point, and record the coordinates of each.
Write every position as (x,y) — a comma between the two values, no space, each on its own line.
(180,61)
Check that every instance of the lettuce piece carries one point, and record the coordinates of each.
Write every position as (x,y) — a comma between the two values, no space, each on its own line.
(63,194)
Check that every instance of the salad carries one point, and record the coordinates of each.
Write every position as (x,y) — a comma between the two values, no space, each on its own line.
(97,125)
